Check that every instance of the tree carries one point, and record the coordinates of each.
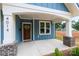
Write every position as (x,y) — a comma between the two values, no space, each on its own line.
(58,26)
(63,25)
(75,25)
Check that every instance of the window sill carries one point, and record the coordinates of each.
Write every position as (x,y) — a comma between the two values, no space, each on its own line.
(45,34)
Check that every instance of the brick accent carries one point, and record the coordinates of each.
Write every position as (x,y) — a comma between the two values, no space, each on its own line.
(68,41)
(8,50)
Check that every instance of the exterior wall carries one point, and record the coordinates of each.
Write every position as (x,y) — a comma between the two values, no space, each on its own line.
(36,30)
(42,37)
(57,6)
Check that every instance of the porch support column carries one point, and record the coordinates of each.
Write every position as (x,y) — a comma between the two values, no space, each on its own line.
(68,39)
(33,29)
(69,28)
(9,29)
(54,33)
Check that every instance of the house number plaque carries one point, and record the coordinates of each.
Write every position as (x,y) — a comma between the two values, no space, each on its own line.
(7,23)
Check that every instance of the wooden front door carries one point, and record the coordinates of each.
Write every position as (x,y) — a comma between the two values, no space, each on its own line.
(26,32)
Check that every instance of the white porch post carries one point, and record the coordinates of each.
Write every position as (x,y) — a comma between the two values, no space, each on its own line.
(69,28)
(9,29)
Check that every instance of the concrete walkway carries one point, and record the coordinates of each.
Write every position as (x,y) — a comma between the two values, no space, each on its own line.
(39,47)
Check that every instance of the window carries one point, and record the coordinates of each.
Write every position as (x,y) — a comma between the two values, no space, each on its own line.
(45,27)
(42,29)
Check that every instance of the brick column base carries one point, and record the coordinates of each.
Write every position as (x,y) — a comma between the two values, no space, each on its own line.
(68,41)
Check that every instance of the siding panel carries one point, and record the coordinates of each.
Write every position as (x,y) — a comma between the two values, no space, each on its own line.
(57,6)
(2,30)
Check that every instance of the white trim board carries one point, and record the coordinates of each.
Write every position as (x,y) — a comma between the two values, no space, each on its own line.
(34,7)
(0,31)
(33,29)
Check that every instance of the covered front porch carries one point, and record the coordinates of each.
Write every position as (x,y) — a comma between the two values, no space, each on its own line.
(40,47)
(42,44)
(37,19)
(13,30)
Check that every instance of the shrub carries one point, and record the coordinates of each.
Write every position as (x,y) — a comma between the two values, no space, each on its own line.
(57,52)
(75,52)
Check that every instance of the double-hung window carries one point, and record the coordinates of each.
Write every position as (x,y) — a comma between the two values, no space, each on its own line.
(44,27)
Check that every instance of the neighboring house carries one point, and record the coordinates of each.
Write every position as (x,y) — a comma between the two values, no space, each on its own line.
(33,21)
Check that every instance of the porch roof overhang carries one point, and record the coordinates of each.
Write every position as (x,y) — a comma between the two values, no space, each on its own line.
(43,16)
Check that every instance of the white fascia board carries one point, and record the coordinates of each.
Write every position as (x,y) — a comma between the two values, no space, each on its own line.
(34,7)
(76,6)
(73,8)
(9,9)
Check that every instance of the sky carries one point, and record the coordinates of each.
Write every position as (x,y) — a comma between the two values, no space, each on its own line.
(76,18)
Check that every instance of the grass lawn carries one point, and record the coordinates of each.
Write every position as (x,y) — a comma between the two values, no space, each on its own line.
(60,34)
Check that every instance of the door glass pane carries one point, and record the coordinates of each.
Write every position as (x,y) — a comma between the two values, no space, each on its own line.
(26,26)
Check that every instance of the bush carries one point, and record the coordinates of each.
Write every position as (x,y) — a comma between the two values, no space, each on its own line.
(75,52)
(57,52)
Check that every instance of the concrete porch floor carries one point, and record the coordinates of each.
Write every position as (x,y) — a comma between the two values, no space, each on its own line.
(40,47)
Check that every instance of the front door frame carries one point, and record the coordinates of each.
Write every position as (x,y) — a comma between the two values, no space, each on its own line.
(23,31)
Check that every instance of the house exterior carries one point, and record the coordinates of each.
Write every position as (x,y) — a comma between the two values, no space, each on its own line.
(25,22)
(33,21)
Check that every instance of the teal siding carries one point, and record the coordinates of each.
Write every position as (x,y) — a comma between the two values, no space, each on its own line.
(57,6)
(18,31)
(36,31)
(1,17)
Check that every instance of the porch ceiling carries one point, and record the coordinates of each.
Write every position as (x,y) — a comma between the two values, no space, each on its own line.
(43,16)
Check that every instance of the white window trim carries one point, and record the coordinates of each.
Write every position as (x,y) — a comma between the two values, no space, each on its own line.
(45,28)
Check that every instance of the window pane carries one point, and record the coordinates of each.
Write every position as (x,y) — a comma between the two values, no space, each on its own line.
(41,30)
(47,30)
(42,24)
(47,25)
